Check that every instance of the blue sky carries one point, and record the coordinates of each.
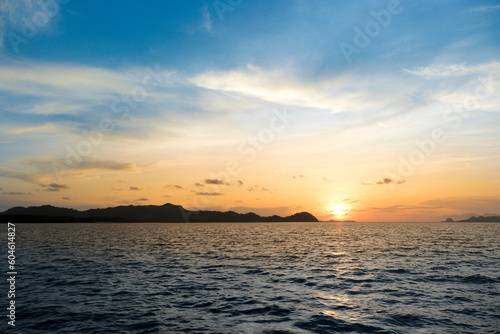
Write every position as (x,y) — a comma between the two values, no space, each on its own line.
(221,81)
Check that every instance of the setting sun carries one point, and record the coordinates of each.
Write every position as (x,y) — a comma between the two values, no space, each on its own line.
(339,211)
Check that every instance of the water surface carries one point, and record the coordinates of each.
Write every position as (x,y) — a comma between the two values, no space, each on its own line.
(258,278)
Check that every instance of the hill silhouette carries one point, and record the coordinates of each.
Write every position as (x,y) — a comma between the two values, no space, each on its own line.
(143,213)
(479,219)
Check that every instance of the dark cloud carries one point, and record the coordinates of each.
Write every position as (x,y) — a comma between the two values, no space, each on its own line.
(134,188)
(198,184)
(54,187)
(16,193)
(239,182)
(200,193)
(173,186)
(214,181)
(66,198)
(142,199)
(167,196)
(385,180)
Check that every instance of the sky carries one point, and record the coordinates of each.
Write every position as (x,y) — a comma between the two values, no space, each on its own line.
(359,110)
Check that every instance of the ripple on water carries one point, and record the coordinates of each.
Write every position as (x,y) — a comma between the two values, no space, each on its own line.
(259,278)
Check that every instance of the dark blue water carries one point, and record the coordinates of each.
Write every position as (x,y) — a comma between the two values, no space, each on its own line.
(257,278)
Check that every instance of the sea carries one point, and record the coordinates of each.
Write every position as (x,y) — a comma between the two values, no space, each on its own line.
(272,278)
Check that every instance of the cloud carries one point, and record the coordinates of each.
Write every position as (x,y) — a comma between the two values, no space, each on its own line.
(134,188)
(200,193)
(399,208)
(215,181)
(173,186)
(239,182)
(45,128)
(470,204)
(348,200)
(454,70)
(15,193)
(66,198)
(142,199)
(207,20)
(54,187)
(41,168)
(344,93)
(257,188)
(299,176)
(55,81)
(385,180)
(198,184)
(485,8)
(31,178)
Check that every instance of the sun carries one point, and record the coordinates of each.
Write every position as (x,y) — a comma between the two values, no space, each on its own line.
(339,211)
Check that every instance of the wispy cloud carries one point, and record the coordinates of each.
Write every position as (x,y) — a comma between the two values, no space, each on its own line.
(175,186)
(485,8)
(257,188)
(201,193)
(335,95)
(134,188)
(39,169)
(45,128)
(385,180)
(447,70)
(16,193)
(54,187)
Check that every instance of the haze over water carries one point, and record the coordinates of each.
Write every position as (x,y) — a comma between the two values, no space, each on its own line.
(259,278)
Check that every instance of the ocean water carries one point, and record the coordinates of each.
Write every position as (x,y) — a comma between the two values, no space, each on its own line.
(257,278)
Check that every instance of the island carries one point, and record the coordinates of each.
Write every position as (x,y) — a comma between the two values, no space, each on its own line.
(142,213)
(473,219)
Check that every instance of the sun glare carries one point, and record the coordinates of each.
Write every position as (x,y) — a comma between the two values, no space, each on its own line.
(339,211)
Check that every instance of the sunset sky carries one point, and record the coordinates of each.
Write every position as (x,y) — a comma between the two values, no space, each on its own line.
(377,110)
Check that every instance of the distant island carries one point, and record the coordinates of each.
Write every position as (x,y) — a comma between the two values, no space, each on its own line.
(480,219)
(144,213)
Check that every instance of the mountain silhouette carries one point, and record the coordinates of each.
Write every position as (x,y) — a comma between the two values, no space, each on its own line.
(143,213)
(479,219)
